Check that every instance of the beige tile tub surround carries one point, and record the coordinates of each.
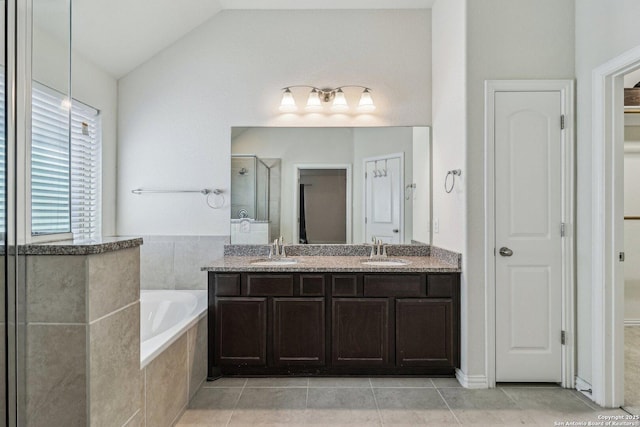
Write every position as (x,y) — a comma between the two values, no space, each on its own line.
(173,262)
(83,337)
(174,376)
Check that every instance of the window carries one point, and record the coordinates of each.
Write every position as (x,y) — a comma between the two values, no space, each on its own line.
(50,176)
(65,178)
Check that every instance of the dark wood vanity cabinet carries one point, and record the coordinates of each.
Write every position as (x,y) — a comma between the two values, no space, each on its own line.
(360,334)
(333,324)
(298,331)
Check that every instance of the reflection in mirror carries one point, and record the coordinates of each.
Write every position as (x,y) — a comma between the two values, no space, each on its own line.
(330,185)
(51,110)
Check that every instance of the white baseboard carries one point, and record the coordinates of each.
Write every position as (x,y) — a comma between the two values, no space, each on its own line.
(471,381)
(631,322)
(584,387)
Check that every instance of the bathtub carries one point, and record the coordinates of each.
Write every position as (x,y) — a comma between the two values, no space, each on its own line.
(165,316)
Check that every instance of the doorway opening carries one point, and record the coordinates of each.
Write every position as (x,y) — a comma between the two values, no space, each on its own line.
(322,204)
(608,229)
(631,265)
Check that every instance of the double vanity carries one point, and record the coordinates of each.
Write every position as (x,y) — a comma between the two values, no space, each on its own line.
(333,310)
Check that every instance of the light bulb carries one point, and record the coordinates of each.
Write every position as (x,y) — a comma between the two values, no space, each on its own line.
(339,102)
(366,102)
(288,104)
(313,103)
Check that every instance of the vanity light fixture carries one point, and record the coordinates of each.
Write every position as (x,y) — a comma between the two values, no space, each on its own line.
(288,104)
(317,97)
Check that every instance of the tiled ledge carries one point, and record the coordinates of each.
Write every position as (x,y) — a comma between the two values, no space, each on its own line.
(81,247)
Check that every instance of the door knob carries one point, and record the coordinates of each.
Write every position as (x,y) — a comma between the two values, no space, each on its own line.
(504,251)
(396,230)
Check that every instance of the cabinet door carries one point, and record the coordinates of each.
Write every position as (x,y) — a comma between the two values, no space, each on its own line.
(241,331)
(425,333)
(360,334)
(298,331)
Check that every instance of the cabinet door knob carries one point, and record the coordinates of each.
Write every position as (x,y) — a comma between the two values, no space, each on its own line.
(396,230)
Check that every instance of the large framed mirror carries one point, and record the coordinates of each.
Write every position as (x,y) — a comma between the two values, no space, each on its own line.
(330,185)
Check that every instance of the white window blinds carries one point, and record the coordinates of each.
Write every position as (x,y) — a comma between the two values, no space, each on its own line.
(65,176)
(50,162)
(85,171)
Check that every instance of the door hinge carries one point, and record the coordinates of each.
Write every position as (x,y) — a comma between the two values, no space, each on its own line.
(365,175)
(365,219)
(563,337)
(621,256)
(562,121)
(563,229)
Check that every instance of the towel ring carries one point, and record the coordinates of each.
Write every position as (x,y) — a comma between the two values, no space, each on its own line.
(453,173)
(215,195)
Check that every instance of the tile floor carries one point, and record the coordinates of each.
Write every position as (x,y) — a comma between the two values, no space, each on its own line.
(383,401)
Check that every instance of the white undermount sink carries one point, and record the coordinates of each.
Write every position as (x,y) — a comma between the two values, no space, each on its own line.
(385,262)
(274,262)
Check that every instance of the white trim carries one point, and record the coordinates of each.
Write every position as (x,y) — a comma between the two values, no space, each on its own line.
(607,228)
(364,190)
(471,381)
(631,322)
(296,203)
(566,89)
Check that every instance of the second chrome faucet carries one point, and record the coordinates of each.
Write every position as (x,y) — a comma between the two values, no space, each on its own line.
(277,249)
(378,250)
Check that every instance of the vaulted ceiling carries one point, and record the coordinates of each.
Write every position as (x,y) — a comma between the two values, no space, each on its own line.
(119,35)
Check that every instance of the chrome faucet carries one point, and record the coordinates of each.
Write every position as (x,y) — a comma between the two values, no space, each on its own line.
(378,249)
(277,249)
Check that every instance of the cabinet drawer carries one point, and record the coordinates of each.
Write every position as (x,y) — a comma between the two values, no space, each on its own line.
(441,285)
(344,285)
(312,285)
(227,285)
(393,286)
(265,285)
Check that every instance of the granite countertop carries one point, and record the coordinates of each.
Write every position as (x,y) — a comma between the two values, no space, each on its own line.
(81,247)
(417,264)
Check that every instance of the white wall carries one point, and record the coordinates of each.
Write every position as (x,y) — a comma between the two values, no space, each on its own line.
(176,110)
(92,86)
(604,30)
(528,39)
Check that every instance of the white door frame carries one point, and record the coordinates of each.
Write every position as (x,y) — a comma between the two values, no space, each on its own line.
(566,89)
(296,195)
(607,228)
(364,190)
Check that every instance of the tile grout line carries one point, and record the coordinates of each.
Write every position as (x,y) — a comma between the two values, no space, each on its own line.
(237,401)
(447,404)
(306,402)
(375,399)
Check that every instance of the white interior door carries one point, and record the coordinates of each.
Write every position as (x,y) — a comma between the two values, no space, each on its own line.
(384,178)
(528,221)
